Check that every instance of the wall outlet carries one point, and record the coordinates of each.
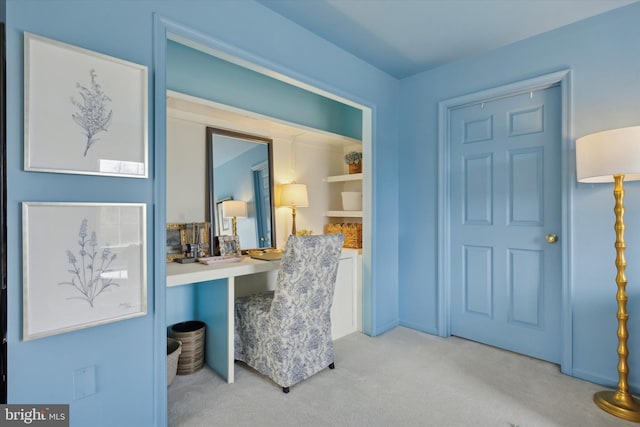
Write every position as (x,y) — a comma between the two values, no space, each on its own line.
(84,382)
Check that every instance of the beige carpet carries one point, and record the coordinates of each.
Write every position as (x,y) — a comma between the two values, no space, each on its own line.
(402,378)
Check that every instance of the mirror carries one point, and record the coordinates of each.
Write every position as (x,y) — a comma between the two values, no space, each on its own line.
(240,168)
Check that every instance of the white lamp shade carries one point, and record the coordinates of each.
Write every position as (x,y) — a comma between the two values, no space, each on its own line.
(294,195)
(231,208)
(601,155)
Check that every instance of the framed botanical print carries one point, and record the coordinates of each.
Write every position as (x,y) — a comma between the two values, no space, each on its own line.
(84,264)
(85,112)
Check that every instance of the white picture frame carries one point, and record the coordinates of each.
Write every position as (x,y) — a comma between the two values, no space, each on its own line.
(84,264)
(84,112)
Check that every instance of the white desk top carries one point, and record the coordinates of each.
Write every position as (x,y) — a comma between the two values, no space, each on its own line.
(185,274)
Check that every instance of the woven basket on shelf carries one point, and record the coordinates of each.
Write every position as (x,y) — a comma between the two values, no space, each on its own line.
(352,233)
(355,167)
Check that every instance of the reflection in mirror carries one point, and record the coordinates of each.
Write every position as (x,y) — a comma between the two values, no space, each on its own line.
(240,167)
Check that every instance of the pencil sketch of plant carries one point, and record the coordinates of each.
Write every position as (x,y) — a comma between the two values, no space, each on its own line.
(87,277)
(93,115)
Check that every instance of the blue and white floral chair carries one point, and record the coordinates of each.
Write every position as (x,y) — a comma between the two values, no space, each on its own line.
(286,334)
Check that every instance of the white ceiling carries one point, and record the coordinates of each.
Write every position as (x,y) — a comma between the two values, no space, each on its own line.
(405,37)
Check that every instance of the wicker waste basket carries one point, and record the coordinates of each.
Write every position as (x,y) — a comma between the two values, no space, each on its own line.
(174,348)
(191,335)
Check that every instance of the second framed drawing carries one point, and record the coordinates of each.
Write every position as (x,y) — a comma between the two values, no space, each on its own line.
(84,265)
(85,112)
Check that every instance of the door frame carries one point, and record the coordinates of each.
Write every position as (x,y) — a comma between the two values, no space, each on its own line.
(567,174)
(165,29)
(3,215)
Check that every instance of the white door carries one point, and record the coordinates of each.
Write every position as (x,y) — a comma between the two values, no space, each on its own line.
(505,201)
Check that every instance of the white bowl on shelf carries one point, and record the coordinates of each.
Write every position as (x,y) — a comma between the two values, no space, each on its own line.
(352,200)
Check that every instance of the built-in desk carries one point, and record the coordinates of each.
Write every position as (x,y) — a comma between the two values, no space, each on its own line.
(215,290)
(216,294)
(184,274)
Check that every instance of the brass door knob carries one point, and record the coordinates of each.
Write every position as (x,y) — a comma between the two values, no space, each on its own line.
(552,238)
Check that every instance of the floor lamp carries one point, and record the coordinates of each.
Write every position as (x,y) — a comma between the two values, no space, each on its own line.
(614,156)
(294,196)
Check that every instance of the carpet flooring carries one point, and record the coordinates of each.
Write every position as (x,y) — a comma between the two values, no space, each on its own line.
(401,378)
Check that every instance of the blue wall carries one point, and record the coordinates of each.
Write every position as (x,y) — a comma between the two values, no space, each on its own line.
(128,359)
(181,304)
(199,74)
(603,54)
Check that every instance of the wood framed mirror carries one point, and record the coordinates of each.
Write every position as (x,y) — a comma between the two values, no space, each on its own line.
(240,168)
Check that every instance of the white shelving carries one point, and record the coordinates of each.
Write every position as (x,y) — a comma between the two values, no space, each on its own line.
(344,214)
(344,179)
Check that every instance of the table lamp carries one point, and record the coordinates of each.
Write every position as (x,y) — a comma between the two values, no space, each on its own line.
(234,209)
(614,156)
(294,196)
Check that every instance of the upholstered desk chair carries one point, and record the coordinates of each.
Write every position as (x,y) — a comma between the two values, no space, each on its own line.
(286,334)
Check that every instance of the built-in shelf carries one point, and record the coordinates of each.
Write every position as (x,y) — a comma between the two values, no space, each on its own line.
(352,177)
(344,178)
(344,214)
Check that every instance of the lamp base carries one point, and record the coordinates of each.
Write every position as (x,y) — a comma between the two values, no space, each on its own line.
(622,405)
